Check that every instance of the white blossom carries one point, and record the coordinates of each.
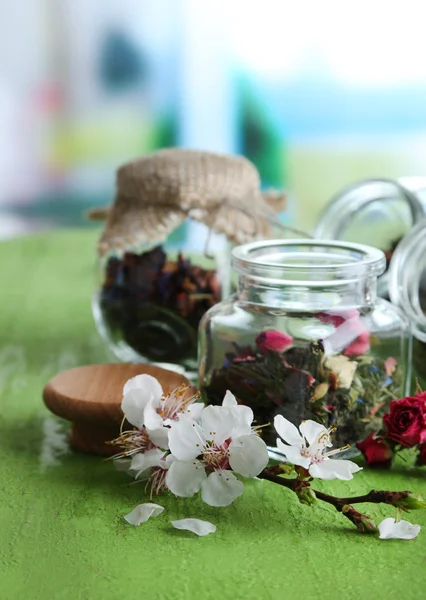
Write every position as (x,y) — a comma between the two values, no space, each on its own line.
(306,447)
(207,453)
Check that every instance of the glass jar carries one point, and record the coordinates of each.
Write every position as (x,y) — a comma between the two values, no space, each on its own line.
(305,336)
(407,288)
(164,253)
(148,303)
(383,210)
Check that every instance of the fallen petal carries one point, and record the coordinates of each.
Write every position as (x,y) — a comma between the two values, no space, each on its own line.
(143,512)
(402,530)
(197,526)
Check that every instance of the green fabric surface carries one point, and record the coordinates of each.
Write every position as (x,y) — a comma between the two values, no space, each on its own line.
(62,532)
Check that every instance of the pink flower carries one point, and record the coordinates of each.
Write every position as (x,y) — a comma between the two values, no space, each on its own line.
(390,365)
(359,346)
(350,335)
(273,340)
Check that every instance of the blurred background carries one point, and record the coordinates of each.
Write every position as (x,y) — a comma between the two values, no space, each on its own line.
(316,94)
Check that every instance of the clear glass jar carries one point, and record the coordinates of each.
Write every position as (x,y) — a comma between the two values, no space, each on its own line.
(305,336)
(407,288)
(383,210)
(164,251)
(148,303)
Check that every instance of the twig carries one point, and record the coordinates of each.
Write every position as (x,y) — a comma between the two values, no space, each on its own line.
(342,505)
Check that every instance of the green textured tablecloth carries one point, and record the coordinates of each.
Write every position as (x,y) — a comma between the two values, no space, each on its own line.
(62,533)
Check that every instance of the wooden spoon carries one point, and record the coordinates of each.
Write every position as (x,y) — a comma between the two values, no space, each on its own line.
(90,397)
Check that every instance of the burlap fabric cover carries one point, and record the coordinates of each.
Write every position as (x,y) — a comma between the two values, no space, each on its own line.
(157,192)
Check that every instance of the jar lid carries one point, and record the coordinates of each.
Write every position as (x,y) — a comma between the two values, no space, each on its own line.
(157,192)
(407,278)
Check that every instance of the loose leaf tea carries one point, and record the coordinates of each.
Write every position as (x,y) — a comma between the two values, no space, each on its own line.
(155,304)
(302,382)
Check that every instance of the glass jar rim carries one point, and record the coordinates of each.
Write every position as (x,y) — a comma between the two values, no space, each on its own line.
(299,261)
(407,266)
(357,196)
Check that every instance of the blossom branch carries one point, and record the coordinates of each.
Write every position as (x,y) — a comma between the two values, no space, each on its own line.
(396,499)
(344,505)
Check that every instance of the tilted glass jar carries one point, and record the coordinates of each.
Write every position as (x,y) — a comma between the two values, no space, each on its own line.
(407,288)
(374,211)
(305,336)
(164,254)
(149,301)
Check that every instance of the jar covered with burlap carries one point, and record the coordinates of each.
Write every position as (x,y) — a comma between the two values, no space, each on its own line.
(164,252)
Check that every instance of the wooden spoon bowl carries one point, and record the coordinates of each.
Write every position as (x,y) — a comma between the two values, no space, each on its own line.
(90,397)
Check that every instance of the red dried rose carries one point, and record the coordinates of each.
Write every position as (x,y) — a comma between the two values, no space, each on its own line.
(405,422)
(274,340)
(376,451)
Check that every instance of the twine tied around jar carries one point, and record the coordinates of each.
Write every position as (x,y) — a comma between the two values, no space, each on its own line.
(157,192)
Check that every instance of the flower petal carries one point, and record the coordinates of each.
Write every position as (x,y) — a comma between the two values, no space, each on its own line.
(185,478)
(138,392)
(217,423)
(221,488)
(343,335)
(293,455)
(143,512)
(248,455)
(229,400)
(193,411)
(160,437)
(311,431)
(186,439)
(343,367)
(146,460)
(197,526)
(402,530)
(122,464)
(287,431)
(240,412)
(334,469)
(151,418)
(133,406)
(147,383)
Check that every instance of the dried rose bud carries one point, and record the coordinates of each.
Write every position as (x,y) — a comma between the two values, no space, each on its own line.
(274,340)
(376,451)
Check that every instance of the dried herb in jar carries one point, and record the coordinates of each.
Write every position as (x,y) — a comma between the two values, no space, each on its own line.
(156,304)
(300,383)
